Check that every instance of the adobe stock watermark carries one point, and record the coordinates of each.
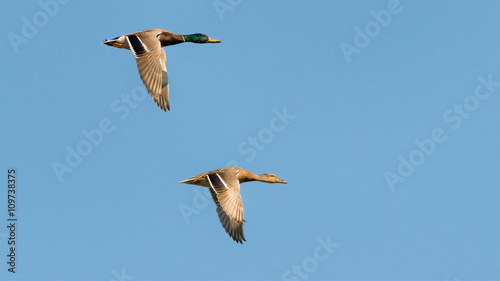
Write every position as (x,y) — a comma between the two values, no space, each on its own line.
(31,26)
(200,201)
(265,136)
(372,29)
(223,6)
(249,148)
(454,118)
(121,276)
(304,269)
(92,138)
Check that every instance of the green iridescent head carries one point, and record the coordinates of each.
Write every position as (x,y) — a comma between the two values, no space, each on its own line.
(200,38)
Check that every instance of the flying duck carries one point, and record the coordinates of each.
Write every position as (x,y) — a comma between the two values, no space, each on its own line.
(147,47)
(224,185)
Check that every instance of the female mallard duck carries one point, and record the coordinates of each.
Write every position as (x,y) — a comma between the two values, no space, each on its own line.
(147,46)
(224,185)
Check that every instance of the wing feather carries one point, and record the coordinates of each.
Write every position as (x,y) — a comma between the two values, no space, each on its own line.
(152,66)
(226,195)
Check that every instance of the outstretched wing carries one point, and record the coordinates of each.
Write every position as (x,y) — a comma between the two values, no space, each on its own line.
(152,65)
(226,196)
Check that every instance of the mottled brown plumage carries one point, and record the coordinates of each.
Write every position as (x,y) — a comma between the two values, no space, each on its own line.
(224,185)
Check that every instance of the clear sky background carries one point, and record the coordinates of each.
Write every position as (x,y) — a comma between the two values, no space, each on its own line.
(390,143)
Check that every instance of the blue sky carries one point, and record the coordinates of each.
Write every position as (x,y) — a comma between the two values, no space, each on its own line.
(381,115)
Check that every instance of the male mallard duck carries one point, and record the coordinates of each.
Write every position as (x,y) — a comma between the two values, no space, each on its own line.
(224,185)
(147,46)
